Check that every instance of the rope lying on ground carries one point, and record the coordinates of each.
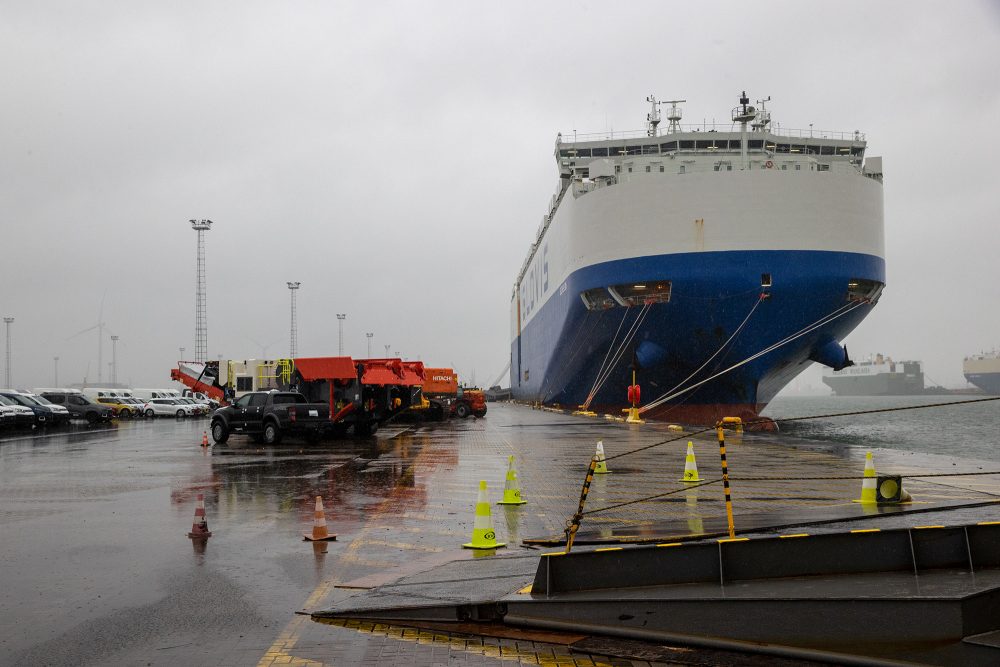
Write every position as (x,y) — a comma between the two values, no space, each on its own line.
(792,479)
(797,419)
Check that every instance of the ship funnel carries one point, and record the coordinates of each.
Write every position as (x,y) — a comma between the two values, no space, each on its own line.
(831,354)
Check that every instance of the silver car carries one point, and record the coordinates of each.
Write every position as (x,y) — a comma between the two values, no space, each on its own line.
(167,407)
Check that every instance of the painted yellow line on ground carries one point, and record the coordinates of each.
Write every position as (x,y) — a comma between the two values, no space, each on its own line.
(786,537)
(867,530)
(402,545)
(290,634)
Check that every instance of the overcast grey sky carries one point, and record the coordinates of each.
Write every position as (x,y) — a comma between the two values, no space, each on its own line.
(396,158)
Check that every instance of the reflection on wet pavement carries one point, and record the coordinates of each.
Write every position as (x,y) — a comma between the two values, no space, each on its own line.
(97,569)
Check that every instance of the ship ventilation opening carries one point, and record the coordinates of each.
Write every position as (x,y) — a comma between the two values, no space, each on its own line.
(765,280)
(639,293)
(597,299)
(866,291)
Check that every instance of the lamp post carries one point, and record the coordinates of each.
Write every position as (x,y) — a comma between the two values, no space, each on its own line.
(8,321)
(55,379)
(182,352)
(114,361)
(369,337)
(293,288)
(387,351)
(340,325)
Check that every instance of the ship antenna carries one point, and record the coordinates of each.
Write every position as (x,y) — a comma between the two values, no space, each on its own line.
(763,116)
(743,114)
(674,115)
(653,117)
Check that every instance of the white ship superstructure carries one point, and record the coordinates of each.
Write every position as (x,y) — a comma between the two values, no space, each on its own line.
(687,252)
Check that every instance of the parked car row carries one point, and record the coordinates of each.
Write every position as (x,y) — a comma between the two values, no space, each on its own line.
(53,407)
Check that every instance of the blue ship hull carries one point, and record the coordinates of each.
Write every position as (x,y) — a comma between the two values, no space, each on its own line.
(558,355)
(988,382)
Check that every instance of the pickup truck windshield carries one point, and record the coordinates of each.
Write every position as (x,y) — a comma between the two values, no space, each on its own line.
(282,399)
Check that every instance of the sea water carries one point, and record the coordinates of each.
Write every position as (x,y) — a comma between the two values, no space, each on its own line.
(966,431)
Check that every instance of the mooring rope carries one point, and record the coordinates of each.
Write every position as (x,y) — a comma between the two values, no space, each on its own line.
(788,479)
(802,332)
(716,353)
(629,336)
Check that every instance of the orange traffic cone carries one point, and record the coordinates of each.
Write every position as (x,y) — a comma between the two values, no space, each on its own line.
(319,532)
(200,526)
(204,439)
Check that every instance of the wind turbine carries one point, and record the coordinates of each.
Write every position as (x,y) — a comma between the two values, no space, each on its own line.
(100,326)
(263,348)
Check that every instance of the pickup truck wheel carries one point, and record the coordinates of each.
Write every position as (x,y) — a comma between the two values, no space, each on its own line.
(219,432)
(462,410)
(150,413)
(272,435)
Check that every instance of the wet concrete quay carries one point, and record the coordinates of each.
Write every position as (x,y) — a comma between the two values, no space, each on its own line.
(97,568)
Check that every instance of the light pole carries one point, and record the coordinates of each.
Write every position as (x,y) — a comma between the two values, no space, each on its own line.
(114,361)
(182,352)
(386,351)
(340,325)
(8,321)
(293,288)
(55,379)
(201,294)
(369,337)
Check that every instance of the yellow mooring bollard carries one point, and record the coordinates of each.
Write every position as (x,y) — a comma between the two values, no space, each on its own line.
(725,477)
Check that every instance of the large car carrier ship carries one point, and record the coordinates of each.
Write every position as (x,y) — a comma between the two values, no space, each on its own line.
(983,370)
(878,376)
(716,262)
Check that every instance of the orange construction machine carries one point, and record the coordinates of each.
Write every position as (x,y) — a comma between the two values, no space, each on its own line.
(446,397)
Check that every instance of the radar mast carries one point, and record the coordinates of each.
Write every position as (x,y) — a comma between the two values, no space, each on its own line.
(653,117)
(743,114)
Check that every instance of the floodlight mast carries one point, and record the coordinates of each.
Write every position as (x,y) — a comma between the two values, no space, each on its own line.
(294,334)
(8,321)
(201,295)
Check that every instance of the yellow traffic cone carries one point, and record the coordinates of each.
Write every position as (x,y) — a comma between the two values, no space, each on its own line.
(602,466)
(483,535)
(319,531)
(690,466)
(868,485)
(512,488)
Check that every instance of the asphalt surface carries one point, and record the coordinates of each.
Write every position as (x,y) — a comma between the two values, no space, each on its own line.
(97,567)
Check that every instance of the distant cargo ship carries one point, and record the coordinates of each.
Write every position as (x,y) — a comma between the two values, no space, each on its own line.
(880,376)
(715,262)
(983,370)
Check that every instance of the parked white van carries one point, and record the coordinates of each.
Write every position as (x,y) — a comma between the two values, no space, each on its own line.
(148,394)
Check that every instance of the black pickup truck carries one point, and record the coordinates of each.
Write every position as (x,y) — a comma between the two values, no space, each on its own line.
(270,415)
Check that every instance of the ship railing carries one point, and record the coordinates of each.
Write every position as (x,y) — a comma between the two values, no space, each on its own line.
(774,130)
(556,200)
